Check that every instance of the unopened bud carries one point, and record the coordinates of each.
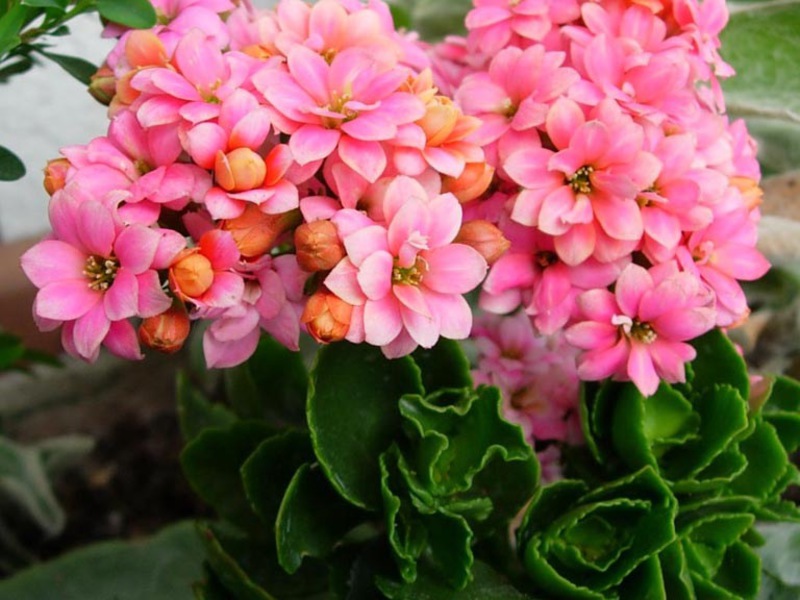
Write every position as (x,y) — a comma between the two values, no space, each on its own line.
(484,237)
(166,332)
(143,48)
(255,232)
(473,181)
(191,275)
(318,246)
(102,85)
(440,119)
(55,175)
(327,317)
(239,170)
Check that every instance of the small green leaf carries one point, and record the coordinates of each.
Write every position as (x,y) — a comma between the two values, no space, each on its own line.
(212,463)
(196,412)
(11,23)
(20,64)
(718,362)
(353,415)
(268,471)
(137,14)
(162,567)
(766,463)
(443,366)
(785,394)
(80,69)
(762,45)
(11,351)
(11,167)
(312,519)
(58,4)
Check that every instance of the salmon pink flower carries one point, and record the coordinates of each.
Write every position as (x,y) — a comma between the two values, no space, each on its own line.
(408,276)
(639,332)
(95,274)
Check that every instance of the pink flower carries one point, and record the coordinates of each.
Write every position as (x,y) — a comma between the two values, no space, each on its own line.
(639,332)
(95,274)
(406,280)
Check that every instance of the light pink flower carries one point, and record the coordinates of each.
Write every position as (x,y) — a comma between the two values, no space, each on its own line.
(407,279)
(639,332)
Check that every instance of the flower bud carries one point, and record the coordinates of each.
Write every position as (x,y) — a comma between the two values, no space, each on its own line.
(191,274)
(55,175)
(484,237)
(473,181)
(255,232)
(239,170)
(318,246)
(103,84)
(440,119)
(327,317)
(166,332)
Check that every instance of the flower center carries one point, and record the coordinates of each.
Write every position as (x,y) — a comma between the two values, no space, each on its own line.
(545,258)
(580,182)
(508,108)
(337,105)
(703,252)
(101,272)
(634,328)
(328,55)
(412,275)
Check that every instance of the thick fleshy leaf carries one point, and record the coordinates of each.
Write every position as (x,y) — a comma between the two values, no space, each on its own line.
(766,463)
(138,14)
(197,413)
(353,416)
(717,362)
(11,167)
(312,518)
(212,462)
(443,366)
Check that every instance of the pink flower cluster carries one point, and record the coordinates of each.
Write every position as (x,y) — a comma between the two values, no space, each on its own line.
(264,170)
(629,198)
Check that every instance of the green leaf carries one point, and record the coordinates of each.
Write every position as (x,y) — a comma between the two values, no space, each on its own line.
(137,14)
(312,519)
(766,463)
(16,66)
(486,584)
(196,412)
(80,69)
(268,471)
(718,362)
(271,385)
(162,567)
(434,19)
(212,463)
(58,4)
(785,394)
(762,45)
(443,366)
(11,351)
(11,167)
(11,23)
(353,415)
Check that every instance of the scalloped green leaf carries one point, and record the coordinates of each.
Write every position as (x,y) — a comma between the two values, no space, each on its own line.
(675,573)
(353,415)
(312,519)
(767,462)
(196,412)
(161,567)
(443,366)
(718,362)
(785,395)
(268,471)
(212,462)
(762,45)
(485,584)
(137,14)
(272,384)
(737,578)
(458,440)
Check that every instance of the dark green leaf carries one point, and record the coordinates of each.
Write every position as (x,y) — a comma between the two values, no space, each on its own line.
(272,385)
(162,567)
(443,366)
(11,167)
(353,415)
(21,64)
(137,14)
(212,463)
(718,362)
(312,519)
(80,69)
(766,463)
(785,394)
(11,351)
(486,584)
(58,4)
(196,412)
(269,470)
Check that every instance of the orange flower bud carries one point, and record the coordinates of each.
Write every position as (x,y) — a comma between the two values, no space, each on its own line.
(473,181)
(327,317)
(55,174)
(166,332)
(239,170)
(318,246)
(191,274)
(439,120)
(487,239)
(125,94)
(143,48)
(102,85)
(255,233)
